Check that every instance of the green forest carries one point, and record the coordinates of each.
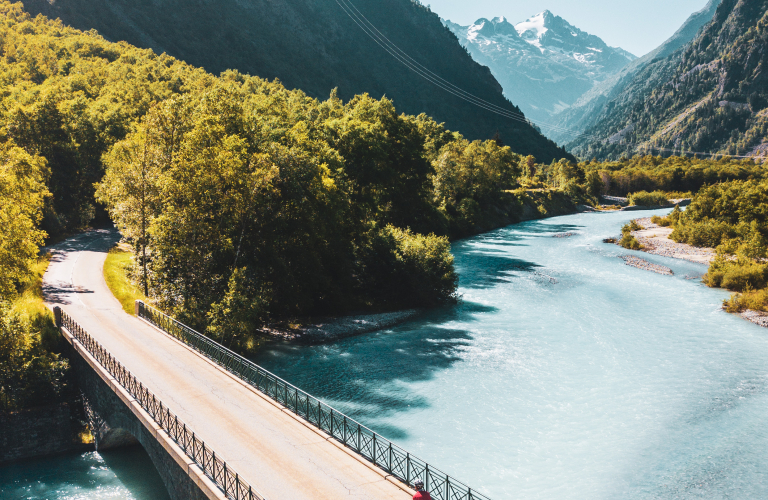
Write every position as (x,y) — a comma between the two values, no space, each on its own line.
(675,174)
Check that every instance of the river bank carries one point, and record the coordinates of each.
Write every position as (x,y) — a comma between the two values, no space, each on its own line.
(517,206)
(655,240)
(322,330)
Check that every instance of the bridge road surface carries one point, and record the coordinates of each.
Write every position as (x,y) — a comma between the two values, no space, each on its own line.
(278,455)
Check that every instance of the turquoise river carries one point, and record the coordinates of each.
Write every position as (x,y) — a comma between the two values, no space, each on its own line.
(562,374)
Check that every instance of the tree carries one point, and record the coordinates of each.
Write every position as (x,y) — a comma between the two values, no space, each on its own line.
(22,196)
(594,184)
(130,188)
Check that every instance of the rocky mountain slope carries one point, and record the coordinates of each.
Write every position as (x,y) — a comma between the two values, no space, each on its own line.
(543,63)
(316,46)
(709,96)
(588,109)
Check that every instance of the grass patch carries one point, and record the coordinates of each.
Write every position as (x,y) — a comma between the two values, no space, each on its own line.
(30,309)
(29,303)
(116,269)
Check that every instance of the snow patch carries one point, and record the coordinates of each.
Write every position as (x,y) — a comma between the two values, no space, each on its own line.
(533,29)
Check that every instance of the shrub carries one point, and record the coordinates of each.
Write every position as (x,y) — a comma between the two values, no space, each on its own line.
(407,269)
(630,242)
(233,321)
(736,275)
(756,300)
(669,220)
(707,233)
(29,374)
(646,199)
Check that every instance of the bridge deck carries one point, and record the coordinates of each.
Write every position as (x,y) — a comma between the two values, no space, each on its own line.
(272,450)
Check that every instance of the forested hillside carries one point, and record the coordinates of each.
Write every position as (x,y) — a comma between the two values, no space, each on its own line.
(710,96)
(313,45)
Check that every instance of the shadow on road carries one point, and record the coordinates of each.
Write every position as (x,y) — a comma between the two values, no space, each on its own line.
(57,285)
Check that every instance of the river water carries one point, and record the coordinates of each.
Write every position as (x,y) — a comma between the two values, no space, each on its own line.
(562,374)
(123,474)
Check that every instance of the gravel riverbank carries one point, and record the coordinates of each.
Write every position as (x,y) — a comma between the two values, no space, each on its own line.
(655,240)
(323,330)
(639,263)
(757,317)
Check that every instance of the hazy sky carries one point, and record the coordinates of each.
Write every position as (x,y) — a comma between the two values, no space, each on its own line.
(638,26)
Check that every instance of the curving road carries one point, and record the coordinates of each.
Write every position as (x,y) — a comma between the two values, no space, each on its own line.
(280,456)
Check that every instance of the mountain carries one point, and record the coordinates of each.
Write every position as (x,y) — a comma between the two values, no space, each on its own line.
(585,112)
(544,63)
(316,46)
(710,96)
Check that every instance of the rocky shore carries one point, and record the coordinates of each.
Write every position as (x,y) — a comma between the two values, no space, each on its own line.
(655,240)
(321,330)
(639,263)
(757,317)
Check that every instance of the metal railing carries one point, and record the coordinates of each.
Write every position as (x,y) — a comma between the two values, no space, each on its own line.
(213,467)
(370,445)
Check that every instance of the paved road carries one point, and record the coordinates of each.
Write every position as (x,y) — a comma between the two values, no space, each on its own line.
(278,455)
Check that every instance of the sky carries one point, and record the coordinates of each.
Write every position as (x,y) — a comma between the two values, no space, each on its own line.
(638,26)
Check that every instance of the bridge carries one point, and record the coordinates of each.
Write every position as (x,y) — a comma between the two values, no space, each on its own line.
(214,424)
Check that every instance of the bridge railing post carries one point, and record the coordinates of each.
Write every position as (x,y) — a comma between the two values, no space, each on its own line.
(57,316)
(137,308)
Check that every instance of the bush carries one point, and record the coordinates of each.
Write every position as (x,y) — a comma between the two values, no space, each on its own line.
(234,320)
(669,220)
(736,275)
(646,199)
(630,242)
(707,233)
(407,269)
(30,375)
(756,300)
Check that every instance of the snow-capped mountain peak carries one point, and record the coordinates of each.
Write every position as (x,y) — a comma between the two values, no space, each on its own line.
(534,28)
(543,63)
(498,26)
